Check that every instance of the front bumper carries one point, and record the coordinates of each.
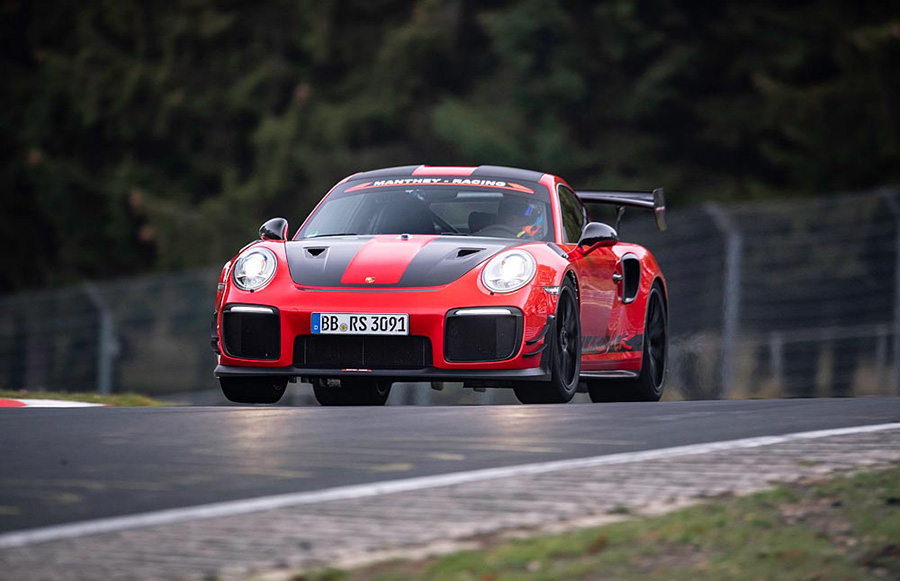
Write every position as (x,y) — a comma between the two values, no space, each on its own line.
(429,312)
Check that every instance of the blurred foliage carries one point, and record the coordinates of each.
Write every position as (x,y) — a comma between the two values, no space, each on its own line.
(138,135)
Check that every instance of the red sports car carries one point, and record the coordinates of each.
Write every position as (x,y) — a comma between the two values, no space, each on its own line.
(491,276)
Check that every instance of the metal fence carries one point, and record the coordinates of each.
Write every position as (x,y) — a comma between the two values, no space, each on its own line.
(796,298)
(148,335)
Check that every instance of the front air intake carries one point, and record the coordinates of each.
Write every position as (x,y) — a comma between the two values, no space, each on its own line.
(482,334)
(362,352)
(251,332)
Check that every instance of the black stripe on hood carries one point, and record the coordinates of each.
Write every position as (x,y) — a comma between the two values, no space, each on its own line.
(322,262)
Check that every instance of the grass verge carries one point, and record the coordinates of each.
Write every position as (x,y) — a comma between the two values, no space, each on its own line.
(844,528)
(118,399)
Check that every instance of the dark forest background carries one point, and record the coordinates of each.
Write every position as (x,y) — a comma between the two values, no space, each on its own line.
(140,136)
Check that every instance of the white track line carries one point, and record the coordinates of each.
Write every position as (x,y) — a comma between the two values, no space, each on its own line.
(237,507)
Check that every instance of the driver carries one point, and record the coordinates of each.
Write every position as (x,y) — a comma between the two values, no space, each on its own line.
(524,217)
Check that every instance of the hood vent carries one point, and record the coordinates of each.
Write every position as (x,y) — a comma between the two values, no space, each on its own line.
(315,252)
(463,252)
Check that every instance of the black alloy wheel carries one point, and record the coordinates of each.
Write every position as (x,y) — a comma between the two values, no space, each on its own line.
(655,342)
(351,391)
(263,389)
(566,355)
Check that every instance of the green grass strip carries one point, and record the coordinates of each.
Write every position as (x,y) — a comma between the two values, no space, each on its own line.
(845,528)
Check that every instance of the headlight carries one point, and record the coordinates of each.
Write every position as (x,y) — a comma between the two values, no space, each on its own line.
(254,269)
(508,271)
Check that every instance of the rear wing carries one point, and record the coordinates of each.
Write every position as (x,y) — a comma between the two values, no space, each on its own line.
(655,200)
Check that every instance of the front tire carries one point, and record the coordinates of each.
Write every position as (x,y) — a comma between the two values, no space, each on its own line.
(649,385)
(351,392)
(262,389)
(566,355)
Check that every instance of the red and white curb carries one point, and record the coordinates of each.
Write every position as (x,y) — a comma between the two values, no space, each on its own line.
(44,403)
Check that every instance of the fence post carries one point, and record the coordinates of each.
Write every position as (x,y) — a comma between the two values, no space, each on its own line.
(776,358)
(893,202)
(881,358)
(731,298)
(106,344)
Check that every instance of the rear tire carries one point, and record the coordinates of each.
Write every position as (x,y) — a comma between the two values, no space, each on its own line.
(649,385)
(263,389)
(351,392)
(566,355)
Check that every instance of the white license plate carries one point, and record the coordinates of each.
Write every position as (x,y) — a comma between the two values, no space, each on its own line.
(360,324)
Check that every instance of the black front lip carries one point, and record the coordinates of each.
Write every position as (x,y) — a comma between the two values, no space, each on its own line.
(540,373)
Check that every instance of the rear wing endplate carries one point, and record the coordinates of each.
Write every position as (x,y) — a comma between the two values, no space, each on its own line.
(655,200)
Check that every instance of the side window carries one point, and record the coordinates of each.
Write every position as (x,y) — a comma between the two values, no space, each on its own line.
(574,217)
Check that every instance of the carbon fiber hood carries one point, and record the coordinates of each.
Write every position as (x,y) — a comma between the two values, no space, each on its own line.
(388,261)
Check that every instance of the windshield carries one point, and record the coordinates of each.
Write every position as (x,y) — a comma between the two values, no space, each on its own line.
(442,207)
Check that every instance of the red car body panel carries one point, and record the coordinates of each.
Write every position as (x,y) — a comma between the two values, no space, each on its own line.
(612,328)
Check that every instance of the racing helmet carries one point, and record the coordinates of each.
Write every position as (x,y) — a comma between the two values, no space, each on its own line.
(521,214)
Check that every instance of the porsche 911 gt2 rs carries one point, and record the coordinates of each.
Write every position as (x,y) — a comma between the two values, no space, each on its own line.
(491,276)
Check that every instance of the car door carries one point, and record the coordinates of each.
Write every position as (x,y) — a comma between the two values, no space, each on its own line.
(594,271)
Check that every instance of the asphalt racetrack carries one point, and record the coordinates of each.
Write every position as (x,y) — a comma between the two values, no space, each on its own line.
(68,465)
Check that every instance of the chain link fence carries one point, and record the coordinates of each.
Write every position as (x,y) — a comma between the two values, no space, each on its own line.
(798,298)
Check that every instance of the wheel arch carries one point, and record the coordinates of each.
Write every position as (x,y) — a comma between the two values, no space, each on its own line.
(571,276)
(657,282)
(661,282)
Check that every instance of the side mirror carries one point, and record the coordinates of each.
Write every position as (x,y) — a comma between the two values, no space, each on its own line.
(274,229)
(598,233)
